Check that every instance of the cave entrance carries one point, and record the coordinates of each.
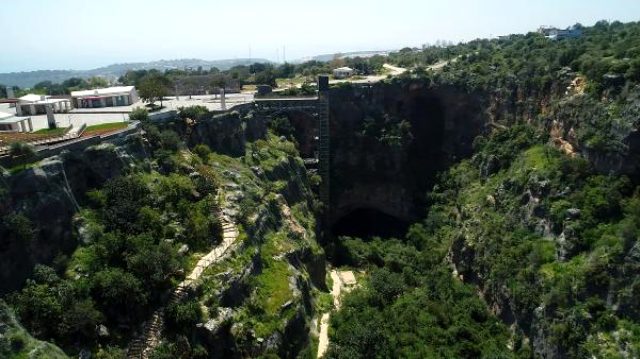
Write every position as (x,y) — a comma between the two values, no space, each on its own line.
(366,223)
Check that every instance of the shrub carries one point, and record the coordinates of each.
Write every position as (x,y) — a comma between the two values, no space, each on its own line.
(203,151)
(170,140)
(139,114)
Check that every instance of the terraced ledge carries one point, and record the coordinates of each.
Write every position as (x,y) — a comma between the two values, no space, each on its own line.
(142,347)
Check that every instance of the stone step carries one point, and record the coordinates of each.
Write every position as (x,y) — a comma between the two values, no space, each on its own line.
(142,347)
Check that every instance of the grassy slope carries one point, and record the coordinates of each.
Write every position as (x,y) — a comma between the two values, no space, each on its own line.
(16,343)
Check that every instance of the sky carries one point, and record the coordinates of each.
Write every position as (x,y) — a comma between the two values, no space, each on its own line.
(85,34)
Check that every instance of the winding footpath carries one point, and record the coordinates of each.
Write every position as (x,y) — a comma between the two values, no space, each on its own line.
(339,283)
(143,346)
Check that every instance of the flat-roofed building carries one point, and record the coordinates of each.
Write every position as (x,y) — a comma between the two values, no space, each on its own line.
(343,72)
(105,97)
(37,105)
(11,123)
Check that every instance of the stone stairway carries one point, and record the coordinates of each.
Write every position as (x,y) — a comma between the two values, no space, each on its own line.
(144,345)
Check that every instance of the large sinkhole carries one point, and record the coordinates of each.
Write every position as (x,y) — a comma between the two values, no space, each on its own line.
(366,223)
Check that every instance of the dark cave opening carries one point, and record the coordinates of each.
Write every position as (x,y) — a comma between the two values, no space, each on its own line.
(367,223)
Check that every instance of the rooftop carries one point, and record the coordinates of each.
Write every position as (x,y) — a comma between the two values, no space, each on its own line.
(343,69)
(40,99)
(103,91)
(32,98)
(8,118)
(4,115)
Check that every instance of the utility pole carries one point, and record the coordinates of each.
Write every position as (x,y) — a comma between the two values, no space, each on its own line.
(284,56)
(223,102)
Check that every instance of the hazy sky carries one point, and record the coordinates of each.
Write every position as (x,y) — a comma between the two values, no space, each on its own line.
(83,34)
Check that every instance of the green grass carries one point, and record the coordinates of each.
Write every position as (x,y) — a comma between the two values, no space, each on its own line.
(19,168)
(273,287)
(111,126)
(52,131)
(540,157)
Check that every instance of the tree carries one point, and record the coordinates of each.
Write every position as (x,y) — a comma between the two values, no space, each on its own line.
(124,198)
(219,81)
(97,82)
(266,77)
(74,82)
(153,88)
(79,320)
(139,114)
(170,140)
(203,151)
(119,292)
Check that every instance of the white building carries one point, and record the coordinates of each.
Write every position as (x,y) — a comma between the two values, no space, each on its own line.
(10,123)
(554,33)
(343,72)
(37,105)
(105,97)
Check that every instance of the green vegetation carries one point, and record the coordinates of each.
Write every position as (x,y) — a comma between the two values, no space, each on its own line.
(52,131)
(545,232)
(265,300)
(106,127)
(552,241)
(16,343)
(22,151)
(548,238)
(132,231)
(56,89)
(153,88)
(526,251)
(411,306)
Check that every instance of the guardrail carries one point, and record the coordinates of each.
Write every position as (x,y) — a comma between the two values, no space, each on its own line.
(43,140)
(77,143)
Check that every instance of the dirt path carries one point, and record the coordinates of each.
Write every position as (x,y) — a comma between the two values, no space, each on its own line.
(395,70)
(336,292)
(142,347)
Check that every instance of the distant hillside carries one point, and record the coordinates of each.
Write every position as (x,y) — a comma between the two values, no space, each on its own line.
(329,57)
(30,78)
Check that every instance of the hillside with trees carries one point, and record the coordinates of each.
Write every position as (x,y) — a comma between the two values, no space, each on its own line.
(525,151)
(542,220)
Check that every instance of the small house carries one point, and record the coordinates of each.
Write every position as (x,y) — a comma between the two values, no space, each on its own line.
(105,97)
(31,105)
(343,72)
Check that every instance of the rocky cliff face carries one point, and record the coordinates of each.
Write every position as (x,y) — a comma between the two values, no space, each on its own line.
(260,300)
(47,196)
(389,141)
(225,133)
(377,164)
